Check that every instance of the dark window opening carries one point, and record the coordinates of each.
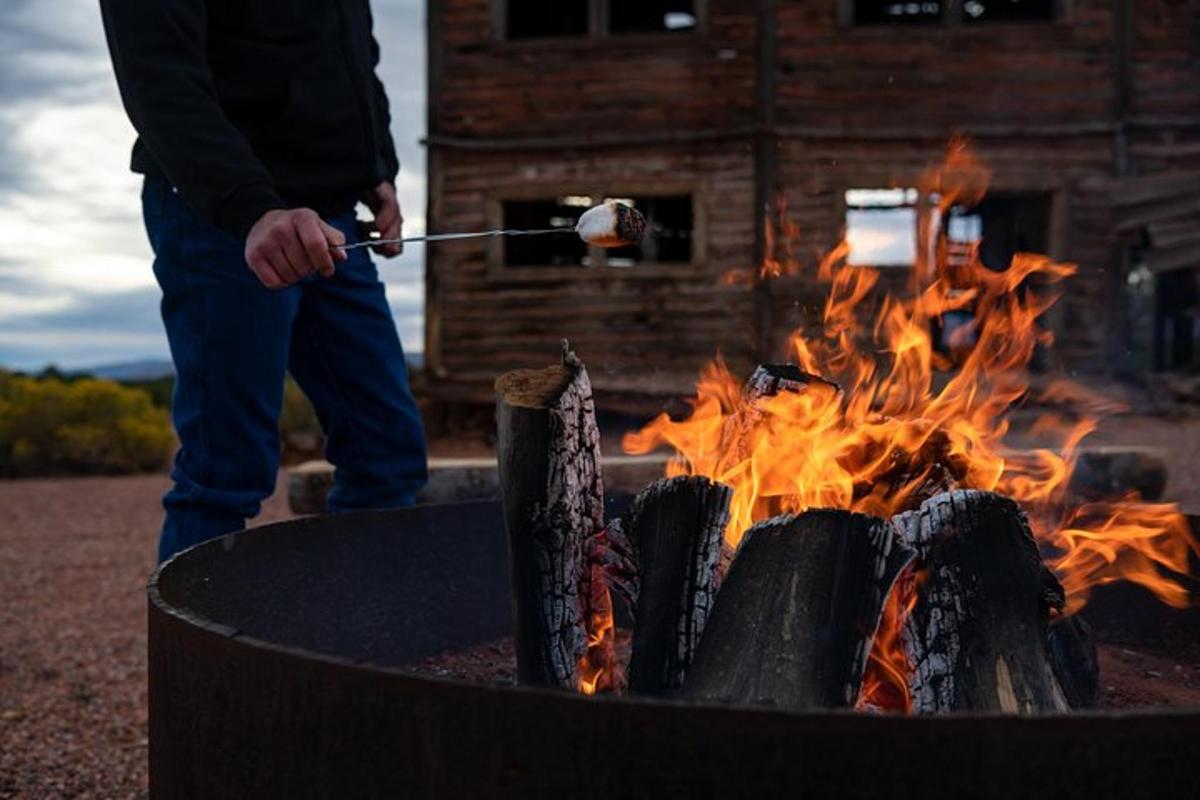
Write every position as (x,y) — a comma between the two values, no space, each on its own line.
(668,240)
(555,250)
(1008,10)
(651,16)
(537,19)
(669,224)
(998,227)
(873,12)
(1002,225)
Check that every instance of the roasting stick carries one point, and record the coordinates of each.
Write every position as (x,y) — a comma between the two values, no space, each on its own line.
(449,237)
(611,224)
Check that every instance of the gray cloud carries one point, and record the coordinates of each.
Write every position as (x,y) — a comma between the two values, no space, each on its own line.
(69,174)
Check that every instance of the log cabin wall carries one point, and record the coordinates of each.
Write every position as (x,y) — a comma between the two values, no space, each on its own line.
(778,97)
(604,114)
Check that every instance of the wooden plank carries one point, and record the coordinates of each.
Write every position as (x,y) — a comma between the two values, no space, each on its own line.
(1156,188)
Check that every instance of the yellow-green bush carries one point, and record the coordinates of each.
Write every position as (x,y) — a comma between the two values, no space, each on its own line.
(82,427)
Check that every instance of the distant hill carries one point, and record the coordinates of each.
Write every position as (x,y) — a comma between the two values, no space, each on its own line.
(146,369)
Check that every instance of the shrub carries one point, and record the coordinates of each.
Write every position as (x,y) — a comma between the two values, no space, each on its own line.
(84,427)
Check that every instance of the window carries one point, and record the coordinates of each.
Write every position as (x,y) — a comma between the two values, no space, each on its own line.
(943,12)
(538,19)
(1008,10)
(1002,225)
(555,250)
(872,12)
(668,241)
(881,227)
(643,16)
(668,232)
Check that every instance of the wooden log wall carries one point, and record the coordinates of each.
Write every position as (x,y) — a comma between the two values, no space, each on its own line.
(647,332)
(1061,107)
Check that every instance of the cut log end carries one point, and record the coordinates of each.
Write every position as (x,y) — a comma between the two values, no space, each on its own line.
(534,388)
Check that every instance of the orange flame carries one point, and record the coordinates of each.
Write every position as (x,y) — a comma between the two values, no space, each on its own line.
(912,420)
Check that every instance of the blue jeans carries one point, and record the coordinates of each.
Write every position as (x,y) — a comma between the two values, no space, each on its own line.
(232,341)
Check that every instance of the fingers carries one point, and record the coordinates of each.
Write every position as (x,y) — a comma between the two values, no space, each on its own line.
(286,246)
(264,270)
(313,239)
(390,224)
(333,239)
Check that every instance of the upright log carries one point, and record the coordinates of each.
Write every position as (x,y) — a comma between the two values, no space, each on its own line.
(675,529)
(976,639)
(548,448)
(794,621)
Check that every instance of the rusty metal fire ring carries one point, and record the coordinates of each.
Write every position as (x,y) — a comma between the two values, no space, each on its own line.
(276,670)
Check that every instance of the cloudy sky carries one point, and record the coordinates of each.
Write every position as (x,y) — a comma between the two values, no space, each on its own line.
(76,288)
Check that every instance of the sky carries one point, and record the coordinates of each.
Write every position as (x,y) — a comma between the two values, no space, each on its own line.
(76,286)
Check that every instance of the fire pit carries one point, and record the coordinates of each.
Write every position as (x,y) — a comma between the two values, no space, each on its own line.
(278,669)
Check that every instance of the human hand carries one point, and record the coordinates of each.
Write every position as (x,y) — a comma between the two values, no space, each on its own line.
(389,223)
(285,246)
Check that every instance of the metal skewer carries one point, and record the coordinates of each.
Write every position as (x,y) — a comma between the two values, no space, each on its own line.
(447,237)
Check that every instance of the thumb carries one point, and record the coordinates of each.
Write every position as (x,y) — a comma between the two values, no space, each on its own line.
(335,238)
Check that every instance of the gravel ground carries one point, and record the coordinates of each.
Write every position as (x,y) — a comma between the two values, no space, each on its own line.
(74,558)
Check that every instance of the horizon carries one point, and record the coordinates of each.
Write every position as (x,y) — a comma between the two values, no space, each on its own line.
(79,293)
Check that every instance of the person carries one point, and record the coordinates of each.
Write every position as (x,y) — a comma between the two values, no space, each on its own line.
(261,124)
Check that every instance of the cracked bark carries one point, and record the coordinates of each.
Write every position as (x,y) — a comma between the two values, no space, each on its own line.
(794,621)
(548,449)
(976,639)
(675,530)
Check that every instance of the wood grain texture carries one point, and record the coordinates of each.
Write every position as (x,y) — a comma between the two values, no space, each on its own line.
(796,616)
(548,449)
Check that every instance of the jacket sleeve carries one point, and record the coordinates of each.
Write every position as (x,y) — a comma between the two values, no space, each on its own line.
(383,115)
(158,49)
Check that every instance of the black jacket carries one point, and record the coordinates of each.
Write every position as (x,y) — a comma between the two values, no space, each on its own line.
(251,105)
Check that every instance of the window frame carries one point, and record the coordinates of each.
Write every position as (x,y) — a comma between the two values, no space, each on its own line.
(1010,182)
(952,17)
(498,272)
(598,27)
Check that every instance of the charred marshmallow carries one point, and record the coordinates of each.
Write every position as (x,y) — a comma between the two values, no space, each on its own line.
(612,224)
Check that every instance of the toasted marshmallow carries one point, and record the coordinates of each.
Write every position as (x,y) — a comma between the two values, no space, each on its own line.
(612,224)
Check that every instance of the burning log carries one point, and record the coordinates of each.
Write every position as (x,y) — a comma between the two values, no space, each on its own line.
(675,529)
(977,637)
(768,380)
(794,621)
(548,450)
(1075,661)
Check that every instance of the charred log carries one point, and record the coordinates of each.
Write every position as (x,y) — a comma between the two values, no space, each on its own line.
(794,621)
(769,380)
(1073,656)
(548,448)
(676,528)
(976,639)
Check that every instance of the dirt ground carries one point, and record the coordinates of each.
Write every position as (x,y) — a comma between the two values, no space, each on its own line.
(74,558)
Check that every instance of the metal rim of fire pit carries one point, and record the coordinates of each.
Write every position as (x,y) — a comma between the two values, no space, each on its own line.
(237,714)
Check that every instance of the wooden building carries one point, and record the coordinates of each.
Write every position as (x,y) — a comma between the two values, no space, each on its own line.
(705,112)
